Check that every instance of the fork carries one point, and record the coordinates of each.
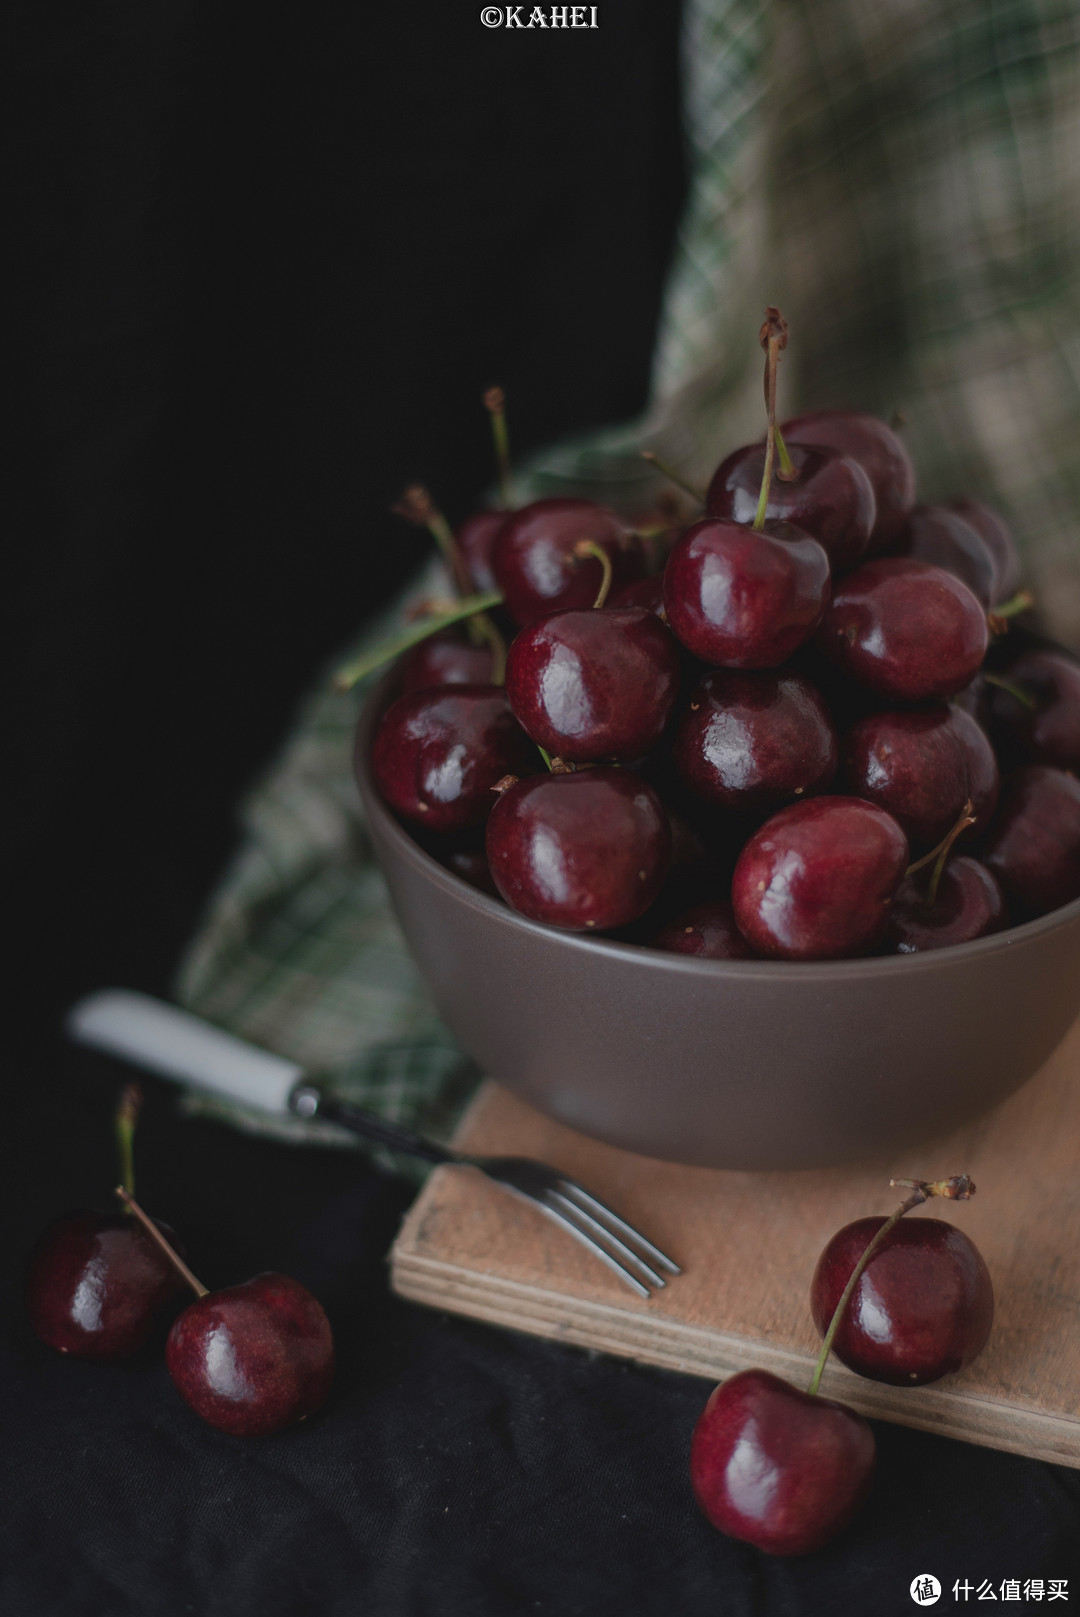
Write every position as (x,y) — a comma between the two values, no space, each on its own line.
(177,1045)
(576,1210)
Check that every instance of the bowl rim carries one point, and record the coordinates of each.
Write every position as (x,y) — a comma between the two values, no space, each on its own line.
(1059,920)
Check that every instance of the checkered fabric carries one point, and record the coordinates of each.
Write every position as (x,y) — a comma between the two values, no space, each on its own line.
(903,179)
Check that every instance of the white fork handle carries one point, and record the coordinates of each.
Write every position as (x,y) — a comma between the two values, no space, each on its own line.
(175,1044)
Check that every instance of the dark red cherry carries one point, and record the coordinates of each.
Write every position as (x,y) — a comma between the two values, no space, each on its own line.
(445,658)
(437,754)
(647,592)
(779,1468)
(880,453)
(740,599)
(472,866)
(752,741)
(943,537)
(922,766)
(997,538)
(1046,728)
(253,1358)
(534,562)
(583,851)
(476,537)
(708,931)
(921,1309)
(96,1285)
(968,904)
(594,683)
(905,629)
(831,499)
(1034,843)
(817,881)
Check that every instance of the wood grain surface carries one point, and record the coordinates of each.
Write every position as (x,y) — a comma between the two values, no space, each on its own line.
(748,1244)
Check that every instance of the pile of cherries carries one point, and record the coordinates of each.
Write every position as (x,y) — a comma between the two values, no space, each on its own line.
(249,1359)
(900,1302)
(786,708)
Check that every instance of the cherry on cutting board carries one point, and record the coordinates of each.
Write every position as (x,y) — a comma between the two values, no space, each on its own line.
(880,453)
(580,851)
(921,766)
(97,1283)
(817,881)
(754,740)
(830,497)
(921,1309)
(905,629)
(437,754)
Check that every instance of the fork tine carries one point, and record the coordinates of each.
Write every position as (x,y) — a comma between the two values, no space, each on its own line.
(593,1203)
(604,1237)
(563,1219)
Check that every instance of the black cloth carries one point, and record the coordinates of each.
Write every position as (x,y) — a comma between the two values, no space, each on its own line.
(266,259)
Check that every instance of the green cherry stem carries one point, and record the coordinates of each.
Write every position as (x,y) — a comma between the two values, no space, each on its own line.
(352,673)
(998,618)
(132,1206)
(788,470)
(417,507)
(488,630)
(672,476)
(1019,692)
(588,547)
(127,1113)
(937,856)
(773,337)
(958,1188)
(495,404)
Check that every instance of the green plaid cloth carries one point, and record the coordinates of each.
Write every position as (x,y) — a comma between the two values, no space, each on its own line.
(903,179)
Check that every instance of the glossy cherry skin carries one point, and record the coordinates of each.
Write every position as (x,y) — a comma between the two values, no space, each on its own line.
(707,931)
(751,741)
(534,562)
(1034,844)
(647,592)
(472,866)
(831,499)
(582,852)
(476,537)
(817,881)
(445,658)
(96,1285)
(907,630)
(880,453)
(438,754)
(740,599)
(921,1309)
(922,765)
(591,684)
(1049,732)
(943,537)
(994,533)
(969,904)
(778,1468)
(253,1358)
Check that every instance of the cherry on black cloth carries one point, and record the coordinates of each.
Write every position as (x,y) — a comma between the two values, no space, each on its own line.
(457,1470)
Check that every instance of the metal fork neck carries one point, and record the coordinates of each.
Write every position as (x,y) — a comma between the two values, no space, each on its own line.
(308,1102)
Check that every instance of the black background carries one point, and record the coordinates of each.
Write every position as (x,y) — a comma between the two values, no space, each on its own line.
(265,261)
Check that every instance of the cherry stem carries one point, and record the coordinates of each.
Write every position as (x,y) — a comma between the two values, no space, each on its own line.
(127,1113)
(352,673)
(941,852)
(589,547)
(672,476)
(1019,692)
(488,630)
(495,404)
(788,470)
(151,1229)
(998,619)
(957,1188)
(773,338)
(417,507)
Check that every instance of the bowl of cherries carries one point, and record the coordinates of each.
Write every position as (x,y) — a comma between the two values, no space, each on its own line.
(759,845)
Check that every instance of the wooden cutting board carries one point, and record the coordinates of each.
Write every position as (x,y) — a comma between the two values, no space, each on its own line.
(748,1243)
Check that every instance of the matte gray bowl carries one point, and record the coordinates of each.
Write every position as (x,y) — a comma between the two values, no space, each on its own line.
(728,1064)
